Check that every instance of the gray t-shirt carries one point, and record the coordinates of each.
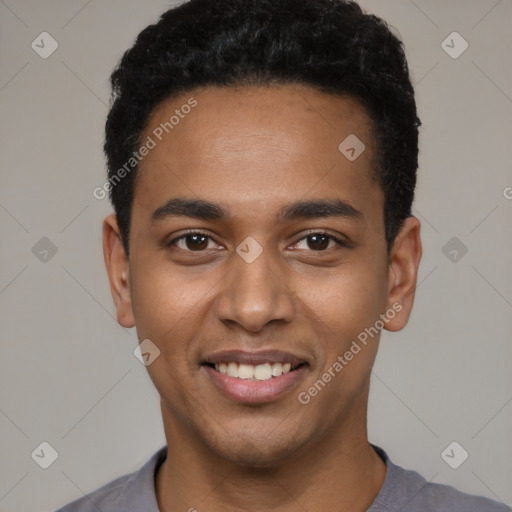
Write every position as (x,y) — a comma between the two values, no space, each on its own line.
(403,491)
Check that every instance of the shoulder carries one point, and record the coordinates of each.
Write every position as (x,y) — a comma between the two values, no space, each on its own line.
(405,490)
(440,497)
(104,498)
(134,491)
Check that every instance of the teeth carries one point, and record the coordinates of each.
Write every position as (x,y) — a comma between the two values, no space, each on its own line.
(233,369)
(248,371)
(263,372)
(245,371)
(277,369)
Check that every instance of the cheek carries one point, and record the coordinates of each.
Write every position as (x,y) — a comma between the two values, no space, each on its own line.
(342,309)
(166,304)
(169,310)
(346,302)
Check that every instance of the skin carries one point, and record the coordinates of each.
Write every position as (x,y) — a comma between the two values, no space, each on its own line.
(254,150)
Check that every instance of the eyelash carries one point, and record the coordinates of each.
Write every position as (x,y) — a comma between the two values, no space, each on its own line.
(341,243)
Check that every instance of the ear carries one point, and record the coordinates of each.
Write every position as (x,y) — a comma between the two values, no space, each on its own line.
(404,261)
(118,271)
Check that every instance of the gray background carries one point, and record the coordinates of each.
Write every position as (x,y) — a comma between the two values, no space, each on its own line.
(68,375)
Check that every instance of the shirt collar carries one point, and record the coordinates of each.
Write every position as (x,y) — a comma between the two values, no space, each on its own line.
(138,491)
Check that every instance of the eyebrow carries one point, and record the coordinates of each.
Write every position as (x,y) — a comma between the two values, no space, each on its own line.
(207,210)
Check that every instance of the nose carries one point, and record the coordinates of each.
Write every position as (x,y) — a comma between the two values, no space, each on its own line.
(254,294)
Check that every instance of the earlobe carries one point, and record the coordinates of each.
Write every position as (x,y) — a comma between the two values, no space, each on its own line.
(404,262)
(118,269)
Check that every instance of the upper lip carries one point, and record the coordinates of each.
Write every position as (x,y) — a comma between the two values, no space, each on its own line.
(254,358)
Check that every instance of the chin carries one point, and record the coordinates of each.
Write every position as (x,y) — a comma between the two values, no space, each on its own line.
(258,449)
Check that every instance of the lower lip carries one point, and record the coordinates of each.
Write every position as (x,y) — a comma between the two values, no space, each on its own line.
(255,391)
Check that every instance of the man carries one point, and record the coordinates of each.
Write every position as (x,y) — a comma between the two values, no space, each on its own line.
(262,161)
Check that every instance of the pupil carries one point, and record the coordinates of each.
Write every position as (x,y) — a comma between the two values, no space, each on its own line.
(322,245)
(319,242)
(195,245)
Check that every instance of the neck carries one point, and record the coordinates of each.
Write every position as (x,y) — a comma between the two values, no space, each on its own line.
(342,472)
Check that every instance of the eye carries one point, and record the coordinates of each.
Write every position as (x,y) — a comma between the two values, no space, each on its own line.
(319,241)
(197,241)
(193,241)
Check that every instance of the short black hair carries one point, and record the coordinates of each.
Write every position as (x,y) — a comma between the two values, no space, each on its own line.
(330,45)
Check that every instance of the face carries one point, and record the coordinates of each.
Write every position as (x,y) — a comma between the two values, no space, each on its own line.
(257,258)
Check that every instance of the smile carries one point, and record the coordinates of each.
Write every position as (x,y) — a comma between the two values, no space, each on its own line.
(254,377)
(264,371)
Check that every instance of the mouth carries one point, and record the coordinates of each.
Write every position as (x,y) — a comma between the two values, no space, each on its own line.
(254,377)
(261,372)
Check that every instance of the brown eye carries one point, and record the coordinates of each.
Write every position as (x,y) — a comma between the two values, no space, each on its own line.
(196,242)
(192,242)
(320,242)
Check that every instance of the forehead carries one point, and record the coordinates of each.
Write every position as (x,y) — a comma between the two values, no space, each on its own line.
(257,145)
